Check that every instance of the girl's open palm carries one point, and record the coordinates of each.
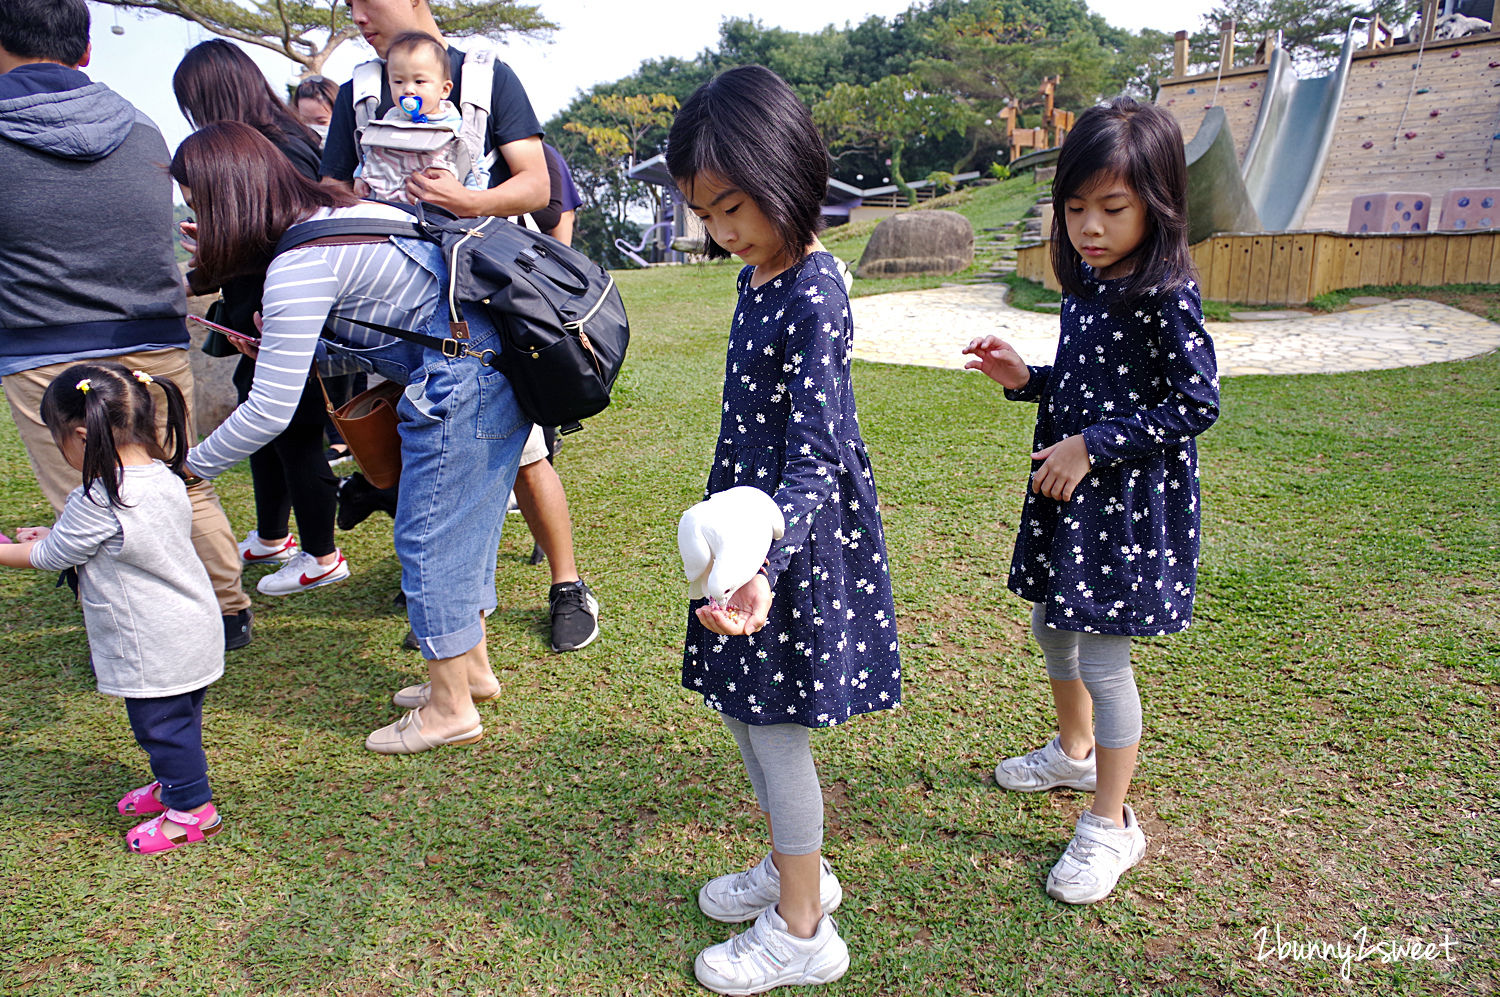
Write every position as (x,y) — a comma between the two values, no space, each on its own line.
(999,361)
(745,612)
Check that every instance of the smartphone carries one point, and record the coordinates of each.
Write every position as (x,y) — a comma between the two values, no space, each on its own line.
(231,333)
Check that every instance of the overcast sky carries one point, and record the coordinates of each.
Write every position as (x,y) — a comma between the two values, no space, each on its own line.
(597,41)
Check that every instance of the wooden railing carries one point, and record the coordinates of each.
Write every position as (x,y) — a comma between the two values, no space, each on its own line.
(1292,268)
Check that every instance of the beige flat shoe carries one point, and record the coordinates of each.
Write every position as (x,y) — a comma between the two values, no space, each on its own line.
(414,697)
(405,737)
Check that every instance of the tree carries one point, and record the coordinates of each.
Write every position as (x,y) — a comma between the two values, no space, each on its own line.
(308,32)
(890,114)
(632,118)
(1312,31)
(990,63)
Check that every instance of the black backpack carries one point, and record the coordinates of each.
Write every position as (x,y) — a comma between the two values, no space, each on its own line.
(562,327)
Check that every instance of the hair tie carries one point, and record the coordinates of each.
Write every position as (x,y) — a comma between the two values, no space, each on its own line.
(83,386)
(143,377)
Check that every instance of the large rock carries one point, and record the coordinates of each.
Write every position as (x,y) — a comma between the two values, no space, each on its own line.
(919,242)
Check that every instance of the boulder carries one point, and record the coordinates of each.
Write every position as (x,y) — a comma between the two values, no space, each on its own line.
(919,242)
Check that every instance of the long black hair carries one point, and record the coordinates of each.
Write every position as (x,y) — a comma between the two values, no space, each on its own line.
(216,81)
(1141,145)
(747,127)
(113,403)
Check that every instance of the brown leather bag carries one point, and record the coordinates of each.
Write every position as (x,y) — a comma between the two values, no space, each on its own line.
(368,424)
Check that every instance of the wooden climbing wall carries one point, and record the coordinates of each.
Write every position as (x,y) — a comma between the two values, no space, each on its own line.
(1292,268)
(1453,120)
(1239,93)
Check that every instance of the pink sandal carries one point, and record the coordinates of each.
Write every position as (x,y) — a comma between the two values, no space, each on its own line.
(152,836)
(140,802)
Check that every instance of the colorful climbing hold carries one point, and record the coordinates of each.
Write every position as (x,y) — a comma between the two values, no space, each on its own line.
(1411,135)
(1423,89)
(1192,89)
(1254,84)
(1367,145)
(1380,84)
(1441,155)
(1495,65)
(1456,53)
(1247,103)
(1433,113)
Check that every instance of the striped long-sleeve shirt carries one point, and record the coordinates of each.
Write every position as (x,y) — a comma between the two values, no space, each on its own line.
(307,289)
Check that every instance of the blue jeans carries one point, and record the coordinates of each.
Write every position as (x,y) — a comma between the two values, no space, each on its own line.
(461,439)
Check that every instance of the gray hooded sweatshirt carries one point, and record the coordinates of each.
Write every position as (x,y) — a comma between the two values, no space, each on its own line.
(86,233)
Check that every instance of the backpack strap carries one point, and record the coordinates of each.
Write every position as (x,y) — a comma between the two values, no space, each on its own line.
(305,232)
(477,83)
(368,76)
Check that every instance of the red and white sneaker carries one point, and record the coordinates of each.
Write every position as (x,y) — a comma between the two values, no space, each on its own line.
(303,572)
(252,551)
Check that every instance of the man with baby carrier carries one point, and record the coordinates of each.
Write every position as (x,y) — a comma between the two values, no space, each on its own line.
(503,138)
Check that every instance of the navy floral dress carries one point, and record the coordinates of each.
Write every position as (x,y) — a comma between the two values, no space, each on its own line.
(828,650)
(1139,380)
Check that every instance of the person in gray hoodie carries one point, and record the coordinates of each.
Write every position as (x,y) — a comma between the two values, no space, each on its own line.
(86,261)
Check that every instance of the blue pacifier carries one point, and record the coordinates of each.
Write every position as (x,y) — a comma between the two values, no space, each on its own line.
(411,104)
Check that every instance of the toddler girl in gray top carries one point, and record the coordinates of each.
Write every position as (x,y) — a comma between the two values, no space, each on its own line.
(154,630)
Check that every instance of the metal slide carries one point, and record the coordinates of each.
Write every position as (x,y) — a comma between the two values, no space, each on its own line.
(1283,163)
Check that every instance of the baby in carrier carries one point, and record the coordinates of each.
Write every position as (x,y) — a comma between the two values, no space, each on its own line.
(422,132)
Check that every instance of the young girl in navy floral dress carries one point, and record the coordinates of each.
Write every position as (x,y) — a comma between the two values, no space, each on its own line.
(1108,545)
(810,640)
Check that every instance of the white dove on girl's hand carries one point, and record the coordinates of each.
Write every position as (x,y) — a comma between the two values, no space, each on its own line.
(724,540)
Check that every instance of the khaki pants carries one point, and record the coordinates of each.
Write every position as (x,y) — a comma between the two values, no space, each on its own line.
(212,536)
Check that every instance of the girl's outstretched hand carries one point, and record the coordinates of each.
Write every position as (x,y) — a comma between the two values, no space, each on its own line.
(1064,464)
(745,613)
(999,361)
(32,534)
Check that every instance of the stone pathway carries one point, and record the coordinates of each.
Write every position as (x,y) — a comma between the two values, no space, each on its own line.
(930,328)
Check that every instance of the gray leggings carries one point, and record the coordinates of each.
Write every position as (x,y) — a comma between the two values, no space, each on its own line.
(1103,662)
(779,761)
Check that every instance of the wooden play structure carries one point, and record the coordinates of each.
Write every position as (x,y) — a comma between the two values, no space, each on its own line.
(1408,123)
(1292,268)
(1056,123)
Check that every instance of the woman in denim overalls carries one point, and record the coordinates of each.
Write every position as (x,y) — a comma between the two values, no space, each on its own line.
(461,429)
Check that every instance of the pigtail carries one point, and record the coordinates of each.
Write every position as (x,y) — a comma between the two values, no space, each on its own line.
(174,451)
(113,405)
(101,458)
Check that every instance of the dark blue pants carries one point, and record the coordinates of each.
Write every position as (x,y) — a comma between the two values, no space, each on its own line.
(170,730)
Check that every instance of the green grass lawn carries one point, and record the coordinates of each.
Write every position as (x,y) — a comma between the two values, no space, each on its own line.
(1320,748)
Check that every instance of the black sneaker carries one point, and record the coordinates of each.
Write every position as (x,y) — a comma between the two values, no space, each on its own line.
(357,499)
(237,629)
(575,615)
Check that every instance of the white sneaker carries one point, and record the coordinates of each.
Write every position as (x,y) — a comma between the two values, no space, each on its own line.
(1047,768)
(1096,858)
(741,896)
(768,956)
(252,551)
(303,572)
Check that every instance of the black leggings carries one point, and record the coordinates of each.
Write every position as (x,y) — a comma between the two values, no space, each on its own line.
(291,473)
